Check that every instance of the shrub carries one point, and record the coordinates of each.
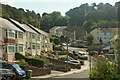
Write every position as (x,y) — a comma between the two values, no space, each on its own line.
(19,56)
(37,62)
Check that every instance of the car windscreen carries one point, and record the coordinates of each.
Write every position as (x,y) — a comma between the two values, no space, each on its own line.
(16,66)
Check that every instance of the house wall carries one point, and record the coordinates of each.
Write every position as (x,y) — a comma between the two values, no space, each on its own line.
(107,36)
(22,41)
(96,35)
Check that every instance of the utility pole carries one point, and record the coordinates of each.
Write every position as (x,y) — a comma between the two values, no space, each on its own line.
(67,53)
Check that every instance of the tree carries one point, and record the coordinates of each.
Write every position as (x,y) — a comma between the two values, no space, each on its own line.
(56,41)
(89,39)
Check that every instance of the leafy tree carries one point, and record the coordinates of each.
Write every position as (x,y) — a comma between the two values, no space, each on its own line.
(56,41)
(89,39)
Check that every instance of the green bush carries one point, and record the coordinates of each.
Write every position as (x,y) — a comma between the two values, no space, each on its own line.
(19,56)
(37,62)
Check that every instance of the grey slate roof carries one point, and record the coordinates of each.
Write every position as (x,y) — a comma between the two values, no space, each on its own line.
(24,26)
(4,23)
(40,31)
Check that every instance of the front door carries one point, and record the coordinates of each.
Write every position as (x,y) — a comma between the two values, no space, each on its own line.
(33,49)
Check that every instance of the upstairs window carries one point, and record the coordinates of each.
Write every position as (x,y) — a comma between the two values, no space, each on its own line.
(33,36)
(20,35)
(38,37)
(11,34)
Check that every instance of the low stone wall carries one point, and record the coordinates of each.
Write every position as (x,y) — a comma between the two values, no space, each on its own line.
(37,71)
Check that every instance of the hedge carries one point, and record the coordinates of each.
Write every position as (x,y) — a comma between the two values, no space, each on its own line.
(37,62)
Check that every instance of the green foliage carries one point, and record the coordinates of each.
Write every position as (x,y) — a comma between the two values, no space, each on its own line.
(87,16)
(59,48)
(19,56)
(89,39)
(56,41)
(104,69)
(37,62)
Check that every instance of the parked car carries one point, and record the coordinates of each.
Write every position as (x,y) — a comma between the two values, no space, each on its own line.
(83,56)
(20,73)
(75,64)
(65,58)
(63,44)
(75,53)
(82,46)
(7,74)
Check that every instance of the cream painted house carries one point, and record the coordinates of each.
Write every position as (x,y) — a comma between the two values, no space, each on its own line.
(45,39)
(32,39)
(103,35)
(12,38)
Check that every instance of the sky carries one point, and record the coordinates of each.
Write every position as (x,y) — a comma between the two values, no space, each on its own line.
(48,6)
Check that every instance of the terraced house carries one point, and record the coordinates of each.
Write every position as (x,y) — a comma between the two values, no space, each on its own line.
(45,39)
(18,37)
(13,38)
(31,44)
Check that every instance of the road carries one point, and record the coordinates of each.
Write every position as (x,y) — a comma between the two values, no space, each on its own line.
(83,74)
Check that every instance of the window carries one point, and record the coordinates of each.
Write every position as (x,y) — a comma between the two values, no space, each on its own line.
(11,34)
(45,45)
(26,46)
(33,46)
(11,48)
(97,32)
(38,37)
(33,36)
(104,33)
(38,46)
(20,35)
(20,47)
(48,45)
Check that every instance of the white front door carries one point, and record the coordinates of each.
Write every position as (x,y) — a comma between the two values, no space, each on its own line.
(33,49)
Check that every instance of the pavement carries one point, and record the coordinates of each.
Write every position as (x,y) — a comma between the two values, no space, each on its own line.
(58,73)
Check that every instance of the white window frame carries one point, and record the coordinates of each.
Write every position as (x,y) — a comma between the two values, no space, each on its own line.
(20,45)
(10,44)
(19,35)
(38,37)
(38,46)
(34,36)
(10,31)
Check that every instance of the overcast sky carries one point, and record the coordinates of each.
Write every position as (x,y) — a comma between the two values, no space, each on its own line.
(41,6)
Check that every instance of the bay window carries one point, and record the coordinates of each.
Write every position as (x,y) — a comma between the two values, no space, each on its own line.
(11,34)
(11,48)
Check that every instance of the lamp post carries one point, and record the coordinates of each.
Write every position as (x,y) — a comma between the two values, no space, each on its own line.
(67,55)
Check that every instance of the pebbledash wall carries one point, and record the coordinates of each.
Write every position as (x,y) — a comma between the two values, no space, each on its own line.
(14,38)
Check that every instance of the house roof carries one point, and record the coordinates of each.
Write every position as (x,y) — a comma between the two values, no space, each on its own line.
(23,26)
(39,30)
(108,29)
(4,23)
